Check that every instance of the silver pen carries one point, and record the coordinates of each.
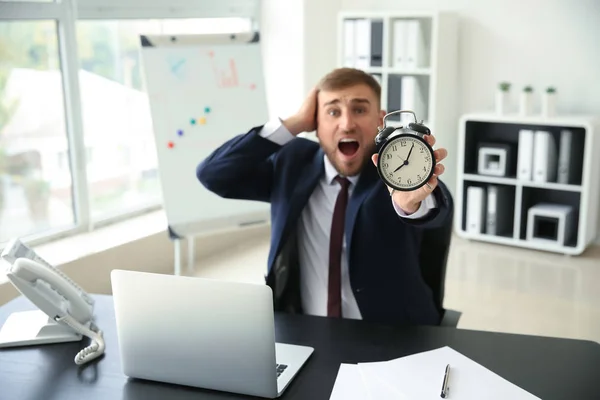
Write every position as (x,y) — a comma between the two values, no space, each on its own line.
(445,387)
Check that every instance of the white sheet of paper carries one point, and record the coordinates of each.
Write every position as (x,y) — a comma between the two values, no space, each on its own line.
(420,376)
(378,388)
(349,384)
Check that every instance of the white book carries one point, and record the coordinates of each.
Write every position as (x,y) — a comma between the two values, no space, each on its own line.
(363,43)
(412,97)
(565,157)
(399,44)
(414,44)
(544,157)
(475,209)
(349,43)
(525,155)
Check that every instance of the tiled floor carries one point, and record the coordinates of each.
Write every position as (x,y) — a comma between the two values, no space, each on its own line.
(497,288)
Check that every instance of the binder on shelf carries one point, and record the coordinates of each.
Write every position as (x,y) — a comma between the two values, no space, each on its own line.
(525,155)
(349,43)
(499,210)
(414,44)
(565,157)
(394,95)
(376,43)
(544,157)
(362,35)
(413,96)
(475,209)
(399,34)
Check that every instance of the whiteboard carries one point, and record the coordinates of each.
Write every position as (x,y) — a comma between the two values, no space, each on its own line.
(203,90)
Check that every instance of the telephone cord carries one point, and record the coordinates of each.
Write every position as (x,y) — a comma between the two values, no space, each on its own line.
(96,349)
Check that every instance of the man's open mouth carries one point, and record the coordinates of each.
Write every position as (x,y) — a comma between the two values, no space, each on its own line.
(348,147)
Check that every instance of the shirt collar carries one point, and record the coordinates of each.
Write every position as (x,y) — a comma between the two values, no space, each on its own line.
(331,173)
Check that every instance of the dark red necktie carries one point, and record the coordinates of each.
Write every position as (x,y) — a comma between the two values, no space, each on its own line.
(334,300)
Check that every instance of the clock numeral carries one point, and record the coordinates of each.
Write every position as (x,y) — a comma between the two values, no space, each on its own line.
(388,156)
(419,177)
(403,144)
(386,165)
(409,181)
(395,148)
(422,150)
(424,169)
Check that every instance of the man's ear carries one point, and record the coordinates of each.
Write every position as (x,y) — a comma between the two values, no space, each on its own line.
(381,115)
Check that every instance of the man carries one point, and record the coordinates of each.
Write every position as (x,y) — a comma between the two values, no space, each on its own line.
(339,247)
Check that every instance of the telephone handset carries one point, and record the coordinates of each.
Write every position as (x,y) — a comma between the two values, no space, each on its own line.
(68,308)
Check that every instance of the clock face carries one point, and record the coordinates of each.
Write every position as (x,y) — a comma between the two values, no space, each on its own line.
(406,162)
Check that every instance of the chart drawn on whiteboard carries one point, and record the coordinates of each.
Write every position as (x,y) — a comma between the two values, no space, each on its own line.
(177,66)
(226,76)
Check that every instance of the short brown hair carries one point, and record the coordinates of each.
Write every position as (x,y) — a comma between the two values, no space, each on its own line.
(341,78)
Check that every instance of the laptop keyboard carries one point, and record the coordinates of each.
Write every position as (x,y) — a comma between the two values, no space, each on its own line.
(280,369)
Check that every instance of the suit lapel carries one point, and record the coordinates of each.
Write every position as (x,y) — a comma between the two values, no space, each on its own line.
(302,191)
(368,179)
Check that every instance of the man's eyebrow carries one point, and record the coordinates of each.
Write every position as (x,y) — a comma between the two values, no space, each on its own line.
(359,100)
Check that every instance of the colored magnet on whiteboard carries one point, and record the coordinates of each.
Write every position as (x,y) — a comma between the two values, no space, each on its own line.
(180,132)
(202,120)
(252,86)
(207,109)
(193,121)
(211,53)
(171,144)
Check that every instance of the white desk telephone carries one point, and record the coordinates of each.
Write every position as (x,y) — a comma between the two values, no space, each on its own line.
(66,310)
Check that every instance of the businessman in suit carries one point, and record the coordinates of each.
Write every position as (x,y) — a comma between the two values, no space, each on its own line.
(343,244)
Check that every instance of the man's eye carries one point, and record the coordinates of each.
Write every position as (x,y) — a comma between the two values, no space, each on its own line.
(360,110)
(333,112)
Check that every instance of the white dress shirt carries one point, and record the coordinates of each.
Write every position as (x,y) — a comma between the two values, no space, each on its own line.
(314,230)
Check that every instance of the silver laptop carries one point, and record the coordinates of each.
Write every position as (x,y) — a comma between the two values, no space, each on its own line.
(204,333)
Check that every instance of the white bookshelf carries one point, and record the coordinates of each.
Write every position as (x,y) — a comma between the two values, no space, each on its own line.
(581,192)
(436,75)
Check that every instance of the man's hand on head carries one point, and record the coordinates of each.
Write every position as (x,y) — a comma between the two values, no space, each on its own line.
(410,201)
(305,120)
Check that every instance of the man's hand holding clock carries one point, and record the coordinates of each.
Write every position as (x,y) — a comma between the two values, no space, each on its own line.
(409,166)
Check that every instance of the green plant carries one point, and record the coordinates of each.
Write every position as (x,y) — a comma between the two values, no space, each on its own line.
(550,89)
(528,89)
(504,86)
(37,192)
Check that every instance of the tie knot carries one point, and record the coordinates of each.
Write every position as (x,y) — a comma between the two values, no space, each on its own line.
(344,182)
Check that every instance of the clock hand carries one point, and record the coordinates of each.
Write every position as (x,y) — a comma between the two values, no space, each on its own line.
(410,151)
(401,165)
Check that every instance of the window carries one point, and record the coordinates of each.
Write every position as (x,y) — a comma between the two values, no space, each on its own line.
(35,178)
(76,139)
(117,121)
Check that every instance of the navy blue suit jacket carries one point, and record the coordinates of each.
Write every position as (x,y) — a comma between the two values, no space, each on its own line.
(383,248)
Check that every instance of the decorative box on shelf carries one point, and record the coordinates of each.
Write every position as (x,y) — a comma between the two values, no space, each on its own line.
(537,181)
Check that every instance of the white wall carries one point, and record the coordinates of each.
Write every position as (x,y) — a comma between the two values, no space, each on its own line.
(282,30)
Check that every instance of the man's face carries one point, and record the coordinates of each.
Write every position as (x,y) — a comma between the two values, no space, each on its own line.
(347,121)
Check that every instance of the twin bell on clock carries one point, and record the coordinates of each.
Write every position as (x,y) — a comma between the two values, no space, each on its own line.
(406,161)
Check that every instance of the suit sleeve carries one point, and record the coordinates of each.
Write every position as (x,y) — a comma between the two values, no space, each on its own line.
(243,167)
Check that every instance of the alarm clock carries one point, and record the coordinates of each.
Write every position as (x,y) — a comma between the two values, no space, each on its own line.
(406,161)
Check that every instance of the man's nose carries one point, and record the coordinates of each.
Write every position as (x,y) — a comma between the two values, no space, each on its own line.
(347,122)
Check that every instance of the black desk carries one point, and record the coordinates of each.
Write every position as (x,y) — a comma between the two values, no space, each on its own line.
(547,367)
